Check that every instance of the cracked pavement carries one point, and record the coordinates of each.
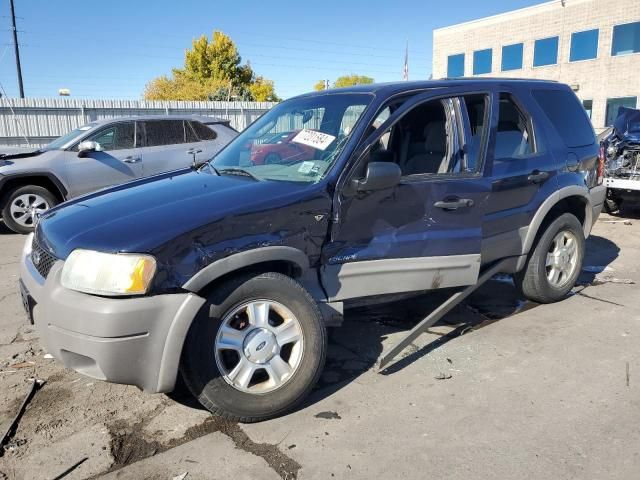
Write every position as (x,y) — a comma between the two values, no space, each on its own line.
(500,388)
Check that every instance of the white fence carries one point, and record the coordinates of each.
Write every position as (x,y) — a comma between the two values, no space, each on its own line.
(37,121)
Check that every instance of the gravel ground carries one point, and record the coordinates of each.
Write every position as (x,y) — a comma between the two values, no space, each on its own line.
(501,388)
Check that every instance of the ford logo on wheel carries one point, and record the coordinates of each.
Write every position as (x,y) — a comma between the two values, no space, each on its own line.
(261,346)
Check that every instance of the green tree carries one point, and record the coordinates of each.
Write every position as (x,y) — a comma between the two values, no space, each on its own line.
(320,85)
(212,70)
(350,80)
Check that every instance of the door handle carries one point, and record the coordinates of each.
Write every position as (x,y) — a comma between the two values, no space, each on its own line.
(131,159)
(537,176)
(454,204)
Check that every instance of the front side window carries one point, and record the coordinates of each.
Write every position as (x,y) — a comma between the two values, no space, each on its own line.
(297,140)
(512,57)
(71,137)
(115,137)
(545,52)
(455,65)
(626,39)
(584,45)
(482,61)
(164,132)
(514,138)
(477,108)
(614,104)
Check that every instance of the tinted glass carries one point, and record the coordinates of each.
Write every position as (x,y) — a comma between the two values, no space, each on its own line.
(513,136)
(115,137)
(567,116)
(455,65)
(189,133)
(584,45)
(588,107)
(613,104)
(545,52)
(626,39)
(203,132)
(482,61)
(164,132)
(477,111)
(512,57)
(70,137)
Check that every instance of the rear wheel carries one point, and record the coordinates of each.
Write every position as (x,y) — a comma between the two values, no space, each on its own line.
(555,263)
(23,204)
(256,349)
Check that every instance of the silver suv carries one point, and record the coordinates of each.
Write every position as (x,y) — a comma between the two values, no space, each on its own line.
(102,154)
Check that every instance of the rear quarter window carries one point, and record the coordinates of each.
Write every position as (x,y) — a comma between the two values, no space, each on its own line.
(567,116)
(203,132)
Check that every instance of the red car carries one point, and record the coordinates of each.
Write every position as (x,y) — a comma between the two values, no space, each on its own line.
(280,149)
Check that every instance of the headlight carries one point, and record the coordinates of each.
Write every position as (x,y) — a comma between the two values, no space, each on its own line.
(28,245)
(108,274)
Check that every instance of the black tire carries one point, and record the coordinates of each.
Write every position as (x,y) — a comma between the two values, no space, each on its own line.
(8,199)
(199,368)
(272,158)
(532,280)
(611,205)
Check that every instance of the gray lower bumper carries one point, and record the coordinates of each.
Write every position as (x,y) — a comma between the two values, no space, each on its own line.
(135,341)
(598,195)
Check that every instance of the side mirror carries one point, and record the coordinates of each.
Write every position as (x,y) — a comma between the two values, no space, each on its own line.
(380,175)
(87,147)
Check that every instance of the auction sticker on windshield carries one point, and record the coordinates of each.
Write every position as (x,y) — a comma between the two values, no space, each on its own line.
(314,139)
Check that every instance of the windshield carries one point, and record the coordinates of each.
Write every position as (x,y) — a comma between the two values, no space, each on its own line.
(60,142)
(297,140)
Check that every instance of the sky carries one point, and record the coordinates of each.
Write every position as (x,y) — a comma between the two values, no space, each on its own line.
(112,48)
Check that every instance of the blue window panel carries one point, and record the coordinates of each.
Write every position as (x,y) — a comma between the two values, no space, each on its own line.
(482,61)
(626,39)
(512,57)
(584,45)
(614,104)
(545,52)
(455,65)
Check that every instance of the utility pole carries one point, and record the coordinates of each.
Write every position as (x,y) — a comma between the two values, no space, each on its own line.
(16,48)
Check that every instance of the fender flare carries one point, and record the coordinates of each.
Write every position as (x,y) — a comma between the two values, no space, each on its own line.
(549,203)
(26,175)
(245,259)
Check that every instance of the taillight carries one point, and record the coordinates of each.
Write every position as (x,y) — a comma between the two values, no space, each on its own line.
(600,169)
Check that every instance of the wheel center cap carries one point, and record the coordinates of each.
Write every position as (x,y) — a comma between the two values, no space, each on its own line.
(260,346)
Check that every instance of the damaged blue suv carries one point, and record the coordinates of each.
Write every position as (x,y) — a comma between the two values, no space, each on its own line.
(228,273)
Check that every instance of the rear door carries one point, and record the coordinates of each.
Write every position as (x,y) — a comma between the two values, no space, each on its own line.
(523,172)
(166,146)
(426,232)
(119,161)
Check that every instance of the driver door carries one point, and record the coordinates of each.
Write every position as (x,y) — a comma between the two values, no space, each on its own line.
(426,232)
(119,161)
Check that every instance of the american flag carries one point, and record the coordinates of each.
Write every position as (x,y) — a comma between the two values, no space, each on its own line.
(405,70)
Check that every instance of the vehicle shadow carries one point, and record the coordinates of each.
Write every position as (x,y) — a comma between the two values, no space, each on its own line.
(4,230)
(355,347)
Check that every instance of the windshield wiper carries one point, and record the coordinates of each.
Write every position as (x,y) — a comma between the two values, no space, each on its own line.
(238,171)
(208,164)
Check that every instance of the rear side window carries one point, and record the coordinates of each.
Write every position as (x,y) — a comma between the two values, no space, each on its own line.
(567,116)
(164,132)
(514,138)
(203,132)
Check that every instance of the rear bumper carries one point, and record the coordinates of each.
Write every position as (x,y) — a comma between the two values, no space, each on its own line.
(134,341)
(622,184)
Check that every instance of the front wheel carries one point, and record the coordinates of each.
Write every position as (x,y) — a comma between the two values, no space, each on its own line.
(553,267)
(22,205)
(256,349)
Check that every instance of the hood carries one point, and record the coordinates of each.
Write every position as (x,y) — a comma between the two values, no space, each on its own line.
(9,153)
(144,215)
(627,126)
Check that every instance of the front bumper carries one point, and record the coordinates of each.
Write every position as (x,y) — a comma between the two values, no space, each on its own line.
(134,341)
